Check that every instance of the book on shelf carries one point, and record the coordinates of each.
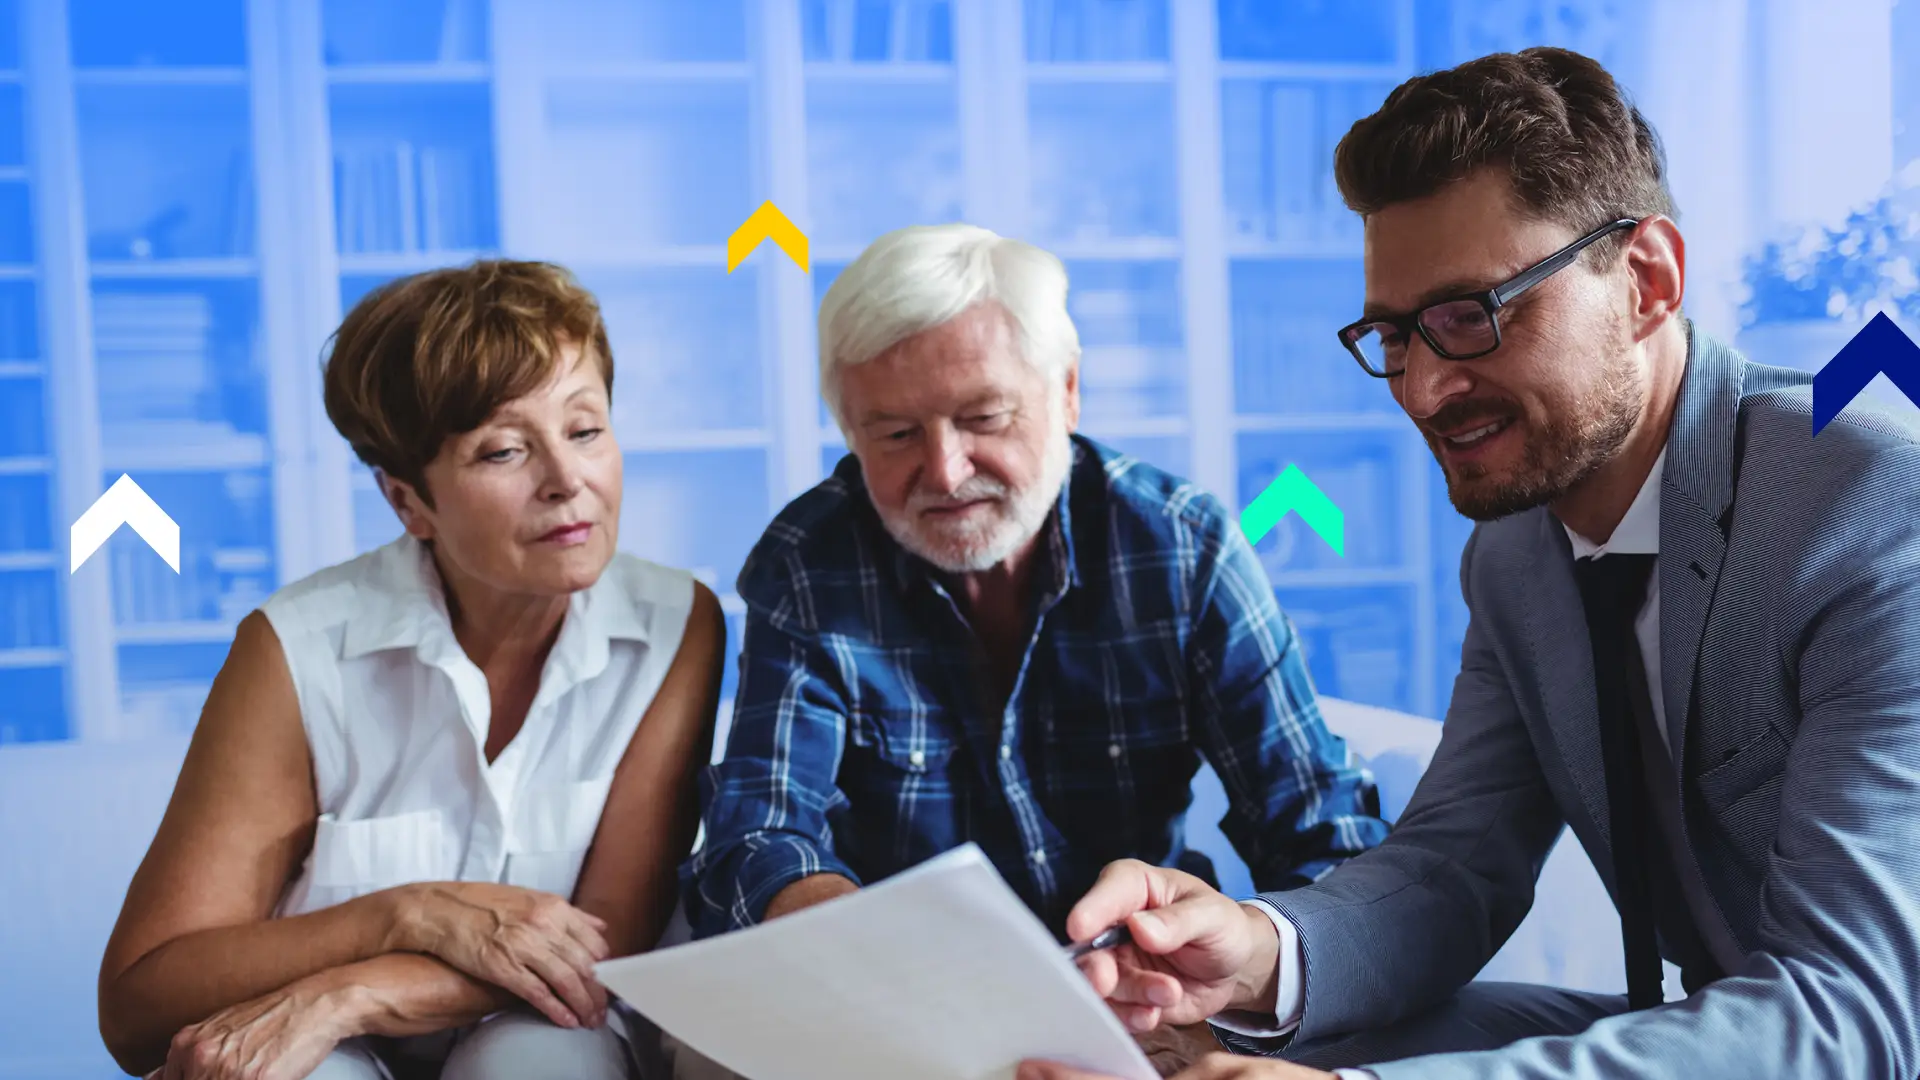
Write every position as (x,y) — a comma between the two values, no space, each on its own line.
(1067,31)
(877,31)
(418,32)
(213,585)
(151,356)
(395,197)
(23,419)
(1295,112)
(463,31)
(25,524)
(1243,160)
(237,235)
(19,329)
(27,602)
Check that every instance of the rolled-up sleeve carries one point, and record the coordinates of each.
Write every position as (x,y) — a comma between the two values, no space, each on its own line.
(766,806)
(1298,804)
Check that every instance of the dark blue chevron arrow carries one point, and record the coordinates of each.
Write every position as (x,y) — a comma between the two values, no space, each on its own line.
(1880,346)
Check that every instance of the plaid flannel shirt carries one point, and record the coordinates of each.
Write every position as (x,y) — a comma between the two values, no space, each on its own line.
(863,742)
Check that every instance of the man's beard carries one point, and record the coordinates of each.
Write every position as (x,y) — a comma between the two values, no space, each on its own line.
(1570,442)
(1008,523)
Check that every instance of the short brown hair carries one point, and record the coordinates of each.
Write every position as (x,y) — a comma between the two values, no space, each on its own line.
(433,355)
(1575,149)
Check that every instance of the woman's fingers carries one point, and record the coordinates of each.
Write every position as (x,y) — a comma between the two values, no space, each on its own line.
(591,932)
(532,989)
(567,983)
(575,955)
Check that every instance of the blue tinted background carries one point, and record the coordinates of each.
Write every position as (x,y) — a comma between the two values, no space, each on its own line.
(192,192)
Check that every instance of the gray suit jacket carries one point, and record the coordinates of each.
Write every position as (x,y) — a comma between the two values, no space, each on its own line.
(1790,657)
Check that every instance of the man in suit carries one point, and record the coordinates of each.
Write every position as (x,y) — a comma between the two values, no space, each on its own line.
(1694,637)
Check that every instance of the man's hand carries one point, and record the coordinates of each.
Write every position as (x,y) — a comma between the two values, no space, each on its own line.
(1212,1067)
(1194,953)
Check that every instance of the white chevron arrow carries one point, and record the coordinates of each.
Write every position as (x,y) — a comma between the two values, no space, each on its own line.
(124,504)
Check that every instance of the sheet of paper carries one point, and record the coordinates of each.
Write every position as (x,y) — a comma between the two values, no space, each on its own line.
(938,973)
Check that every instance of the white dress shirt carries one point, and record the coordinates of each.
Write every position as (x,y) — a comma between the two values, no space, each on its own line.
(397,715)
(1637,534)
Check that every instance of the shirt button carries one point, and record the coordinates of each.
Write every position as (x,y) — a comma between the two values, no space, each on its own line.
(918,758)
(1006,753)
(1113,751)
(1039,856)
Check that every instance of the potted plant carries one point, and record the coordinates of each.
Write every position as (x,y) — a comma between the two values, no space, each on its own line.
(1810,291)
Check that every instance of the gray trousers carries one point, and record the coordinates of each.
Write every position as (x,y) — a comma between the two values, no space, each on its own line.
(506,1046)
(1482,1016)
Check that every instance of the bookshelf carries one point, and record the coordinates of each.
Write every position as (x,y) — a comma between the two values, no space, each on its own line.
(1290,78)
(33,656)
(141,329)
(200,193)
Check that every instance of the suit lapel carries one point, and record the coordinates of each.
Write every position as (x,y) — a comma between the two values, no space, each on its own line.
(1695,492)
(1562,662)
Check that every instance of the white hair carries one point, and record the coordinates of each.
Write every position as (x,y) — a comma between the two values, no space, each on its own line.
(914,279)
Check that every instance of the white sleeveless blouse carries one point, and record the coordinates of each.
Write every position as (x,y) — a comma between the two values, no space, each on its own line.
(396,717)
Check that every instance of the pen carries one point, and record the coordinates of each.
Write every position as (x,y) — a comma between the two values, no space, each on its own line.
(1105,939)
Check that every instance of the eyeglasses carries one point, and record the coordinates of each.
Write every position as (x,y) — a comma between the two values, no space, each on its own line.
(1459,327)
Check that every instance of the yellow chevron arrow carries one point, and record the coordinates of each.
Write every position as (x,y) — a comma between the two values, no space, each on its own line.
(767,223)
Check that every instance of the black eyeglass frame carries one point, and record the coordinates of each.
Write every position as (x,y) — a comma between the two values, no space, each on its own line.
(1491,301)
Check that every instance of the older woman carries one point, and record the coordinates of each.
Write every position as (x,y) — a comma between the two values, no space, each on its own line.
(434,785)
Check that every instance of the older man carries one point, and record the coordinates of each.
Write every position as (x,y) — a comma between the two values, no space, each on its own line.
(984,628)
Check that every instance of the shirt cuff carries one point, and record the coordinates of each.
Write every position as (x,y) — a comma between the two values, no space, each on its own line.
(1290,995)
(1354,1074)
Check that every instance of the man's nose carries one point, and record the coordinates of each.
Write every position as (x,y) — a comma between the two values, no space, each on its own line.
(1427,381)
(948,464)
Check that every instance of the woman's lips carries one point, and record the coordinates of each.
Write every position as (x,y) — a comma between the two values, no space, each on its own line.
(569,535)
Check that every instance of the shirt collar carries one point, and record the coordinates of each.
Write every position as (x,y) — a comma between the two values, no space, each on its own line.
(1639,531)
(403,606)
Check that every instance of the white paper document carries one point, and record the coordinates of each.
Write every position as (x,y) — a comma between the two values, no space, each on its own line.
(937,973)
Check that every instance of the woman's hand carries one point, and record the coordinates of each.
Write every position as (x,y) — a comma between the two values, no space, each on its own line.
(532,944)
(1194,952)
(1172,1049)
(284,1035)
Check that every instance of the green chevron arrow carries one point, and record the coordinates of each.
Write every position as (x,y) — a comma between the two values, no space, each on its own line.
(1291,490)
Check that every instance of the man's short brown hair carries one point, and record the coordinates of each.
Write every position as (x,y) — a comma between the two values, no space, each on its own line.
(433,355)
(1575,149)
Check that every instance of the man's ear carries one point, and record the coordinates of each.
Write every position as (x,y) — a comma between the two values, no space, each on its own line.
(1657,268)
(407,505)
(1072,389)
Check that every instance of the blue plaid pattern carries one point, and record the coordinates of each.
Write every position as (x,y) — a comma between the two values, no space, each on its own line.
(863,742)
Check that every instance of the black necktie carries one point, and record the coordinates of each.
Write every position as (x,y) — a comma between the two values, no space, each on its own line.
(1612,589)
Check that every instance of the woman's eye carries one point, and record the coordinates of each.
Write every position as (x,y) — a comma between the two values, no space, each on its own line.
(498,457)
(587,433)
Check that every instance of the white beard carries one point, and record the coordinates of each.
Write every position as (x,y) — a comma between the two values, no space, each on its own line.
(992,533)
